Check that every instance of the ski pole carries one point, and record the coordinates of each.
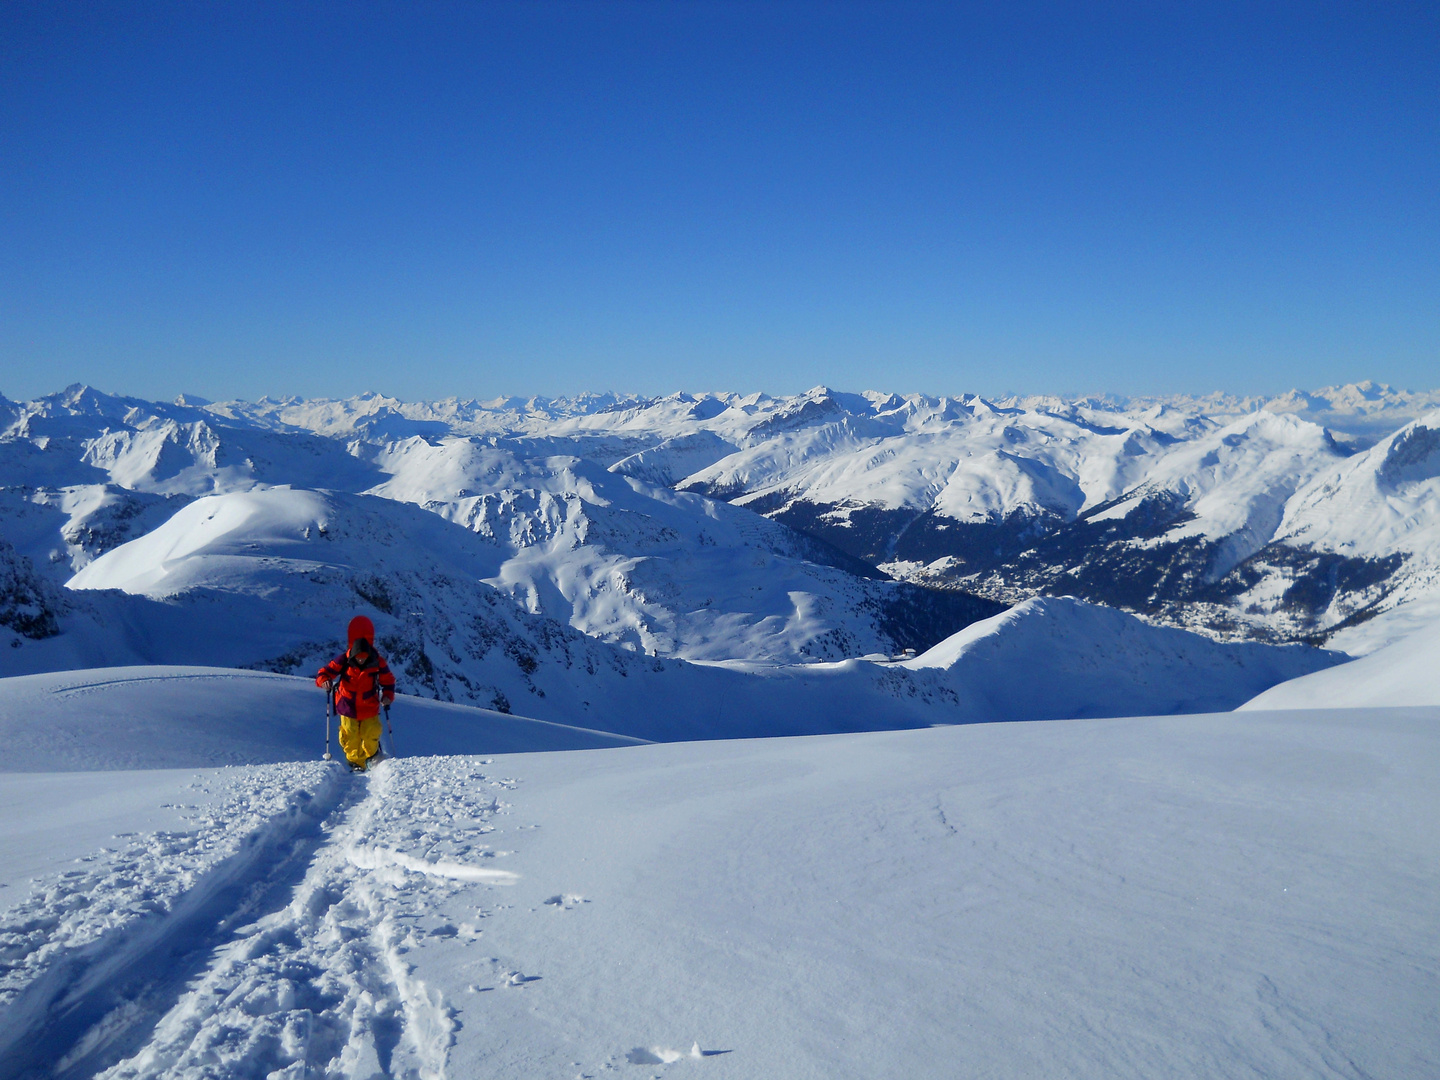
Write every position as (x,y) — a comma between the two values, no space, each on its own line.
(329,707)
(390,731)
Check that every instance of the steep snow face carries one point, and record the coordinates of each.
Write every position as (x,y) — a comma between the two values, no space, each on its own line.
(160,451)
(1092,899)
(1370,525)
(1383,501)
(222,541)
(270,577)
(1236,481)
(60,530)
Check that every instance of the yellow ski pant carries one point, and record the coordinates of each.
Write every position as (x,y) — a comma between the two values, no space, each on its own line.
(359,738)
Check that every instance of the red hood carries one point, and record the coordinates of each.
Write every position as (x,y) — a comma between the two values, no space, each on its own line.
(361,626)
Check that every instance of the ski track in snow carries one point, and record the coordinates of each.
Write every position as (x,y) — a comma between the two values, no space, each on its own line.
(270,942)
(75,945)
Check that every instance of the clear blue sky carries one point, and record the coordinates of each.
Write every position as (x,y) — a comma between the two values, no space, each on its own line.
(235,199)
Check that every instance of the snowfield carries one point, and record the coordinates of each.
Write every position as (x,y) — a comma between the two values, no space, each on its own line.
(1242,894)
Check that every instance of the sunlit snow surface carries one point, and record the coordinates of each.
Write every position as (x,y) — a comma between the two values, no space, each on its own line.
(163,717)
(1248,894)
(1405,672)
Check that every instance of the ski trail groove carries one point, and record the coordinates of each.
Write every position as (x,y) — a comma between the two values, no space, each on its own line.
(92,960)
(320,987)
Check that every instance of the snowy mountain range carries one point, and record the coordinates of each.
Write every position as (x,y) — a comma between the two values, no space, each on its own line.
(711,540)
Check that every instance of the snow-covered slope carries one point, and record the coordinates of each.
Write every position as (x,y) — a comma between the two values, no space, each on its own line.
(1379,511)
(1060,657)
(1043,660)
(620,559)
(666,573)
(267,578)
(174,717)
(1406,672)
(1235,482)
(1147,897)
(1244,894)
(277,554)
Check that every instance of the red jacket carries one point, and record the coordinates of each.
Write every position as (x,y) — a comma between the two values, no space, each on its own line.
(358,688)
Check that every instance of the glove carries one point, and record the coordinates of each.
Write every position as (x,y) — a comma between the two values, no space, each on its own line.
(322,681)
(387,698)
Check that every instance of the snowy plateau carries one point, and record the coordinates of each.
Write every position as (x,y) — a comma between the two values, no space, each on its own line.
(832,735)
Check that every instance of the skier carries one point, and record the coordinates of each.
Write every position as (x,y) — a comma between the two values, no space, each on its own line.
(362,682)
